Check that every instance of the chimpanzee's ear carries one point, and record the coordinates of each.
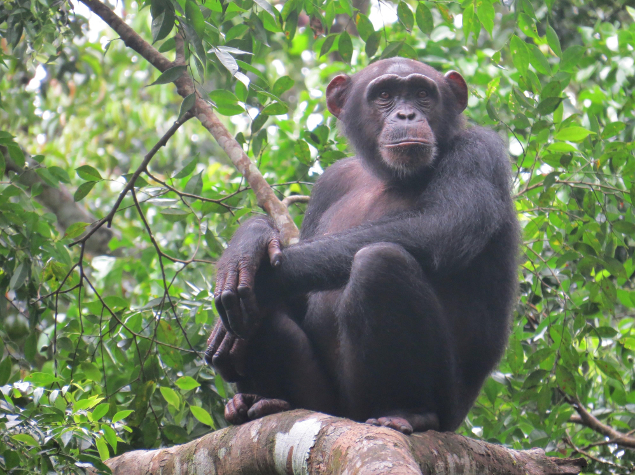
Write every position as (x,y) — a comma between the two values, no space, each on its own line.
(336,93)
(459,88)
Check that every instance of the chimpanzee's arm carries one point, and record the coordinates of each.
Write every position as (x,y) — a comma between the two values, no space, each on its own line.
(464,206)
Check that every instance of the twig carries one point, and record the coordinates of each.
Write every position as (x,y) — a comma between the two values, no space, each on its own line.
(289,200)
(569,442)
(109,217)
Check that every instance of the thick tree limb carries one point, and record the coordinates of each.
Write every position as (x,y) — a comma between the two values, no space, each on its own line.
(265,196)
(304,442)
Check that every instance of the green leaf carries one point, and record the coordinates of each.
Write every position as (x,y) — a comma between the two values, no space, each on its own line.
(573,134)
(162,25)
(372,44)
(267,7)
(405,15)
(527,25)
(121,415)
(302,151)
(60,174)
(565,380)
(485,13)
(75,230)
(187,383)
(19,276)
(170,396)
(48,177)
(425,22)
(100,411)
(42,379)
(275,108)
(283,84)
(327,45)
(170,75)
(571,57)
(187,104)
(608,369)
(345,46)
(83,190)
(539,61)
(25,439)
(186,168)
(520,54)
(391,50)
(223,97)
(347,6)
(110,435)
(174,215)
(202,415)
(168,45)
(553,41)
(260,120)
(5,370)
(364,26)
(548,105)
(91,371)
(195,17)
(102,448)
(194,185)
(16,154)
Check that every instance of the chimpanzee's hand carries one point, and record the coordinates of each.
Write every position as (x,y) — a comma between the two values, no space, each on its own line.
(255,244)
(226,353)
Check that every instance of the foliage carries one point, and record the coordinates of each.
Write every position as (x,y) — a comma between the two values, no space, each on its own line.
(88,338)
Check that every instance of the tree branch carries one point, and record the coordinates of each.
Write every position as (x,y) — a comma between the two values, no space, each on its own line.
(265,196)
(304,442)
(592,422)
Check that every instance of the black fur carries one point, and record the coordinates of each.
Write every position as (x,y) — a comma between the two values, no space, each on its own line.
(395,305)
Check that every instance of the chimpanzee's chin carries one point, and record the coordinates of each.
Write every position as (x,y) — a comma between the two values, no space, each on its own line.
(409,159)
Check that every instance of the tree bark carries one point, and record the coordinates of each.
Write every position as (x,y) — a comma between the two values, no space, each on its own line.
(302,442)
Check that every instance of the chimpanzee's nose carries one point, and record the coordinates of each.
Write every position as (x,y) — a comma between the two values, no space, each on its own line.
(406,114)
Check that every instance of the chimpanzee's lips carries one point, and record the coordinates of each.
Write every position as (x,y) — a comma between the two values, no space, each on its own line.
(409,143)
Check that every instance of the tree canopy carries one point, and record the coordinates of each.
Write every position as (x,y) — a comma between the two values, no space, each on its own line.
(117,195)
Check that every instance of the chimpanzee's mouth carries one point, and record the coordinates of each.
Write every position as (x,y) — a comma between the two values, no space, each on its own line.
(409,143)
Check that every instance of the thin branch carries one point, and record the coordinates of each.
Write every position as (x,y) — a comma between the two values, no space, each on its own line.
(144,164)
(592,422)
(569,442)
(289,200)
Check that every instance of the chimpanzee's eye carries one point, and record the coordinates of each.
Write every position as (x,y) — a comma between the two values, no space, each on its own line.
(422,93)
(384,95)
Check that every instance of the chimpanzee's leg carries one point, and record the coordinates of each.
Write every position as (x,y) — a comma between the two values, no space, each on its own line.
(281,372)
(396,354)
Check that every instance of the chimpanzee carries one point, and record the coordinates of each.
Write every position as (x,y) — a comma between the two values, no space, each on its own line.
(395,304)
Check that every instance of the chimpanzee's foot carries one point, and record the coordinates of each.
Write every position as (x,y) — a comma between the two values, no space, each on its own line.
(247,407)
(407,423)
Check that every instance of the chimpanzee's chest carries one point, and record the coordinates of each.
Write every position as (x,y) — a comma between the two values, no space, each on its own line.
(366,202)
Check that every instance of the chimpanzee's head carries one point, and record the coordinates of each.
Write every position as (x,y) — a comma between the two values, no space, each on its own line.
(399,112)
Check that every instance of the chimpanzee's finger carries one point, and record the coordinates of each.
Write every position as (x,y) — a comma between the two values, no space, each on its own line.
(214,341)
(275,252)
(222,360)
(214,336)
(230,301)
(218,291)
(238,356)
(251,312)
